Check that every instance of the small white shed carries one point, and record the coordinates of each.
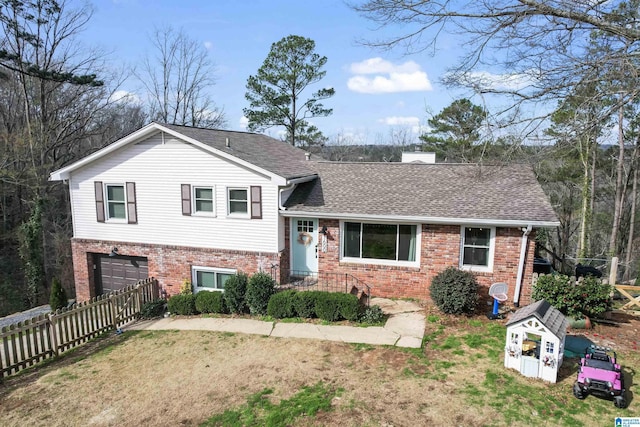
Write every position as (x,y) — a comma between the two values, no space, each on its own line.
(535,341)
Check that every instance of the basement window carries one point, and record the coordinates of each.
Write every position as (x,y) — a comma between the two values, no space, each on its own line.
(210,279)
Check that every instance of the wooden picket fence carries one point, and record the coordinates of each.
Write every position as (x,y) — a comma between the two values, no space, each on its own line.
(26,343)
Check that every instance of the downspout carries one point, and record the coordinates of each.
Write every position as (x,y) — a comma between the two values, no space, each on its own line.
(523,253)
(290,184)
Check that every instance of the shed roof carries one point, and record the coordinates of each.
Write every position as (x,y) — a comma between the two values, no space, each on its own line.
(547,314)
(461,191)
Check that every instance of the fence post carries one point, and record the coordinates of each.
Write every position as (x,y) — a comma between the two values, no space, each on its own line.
(613,271)
(53,338)
(138,298)
(112,308)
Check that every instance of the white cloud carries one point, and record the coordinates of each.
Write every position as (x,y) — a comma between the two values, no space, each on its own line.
(489,81)
(396,120)
(244,122)
(125,97)
(376,75)
(381,66)
(208,45)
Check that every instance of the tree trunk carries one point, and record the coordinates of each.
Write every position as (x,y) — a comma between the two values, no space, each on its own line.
(617,211)
(585,214)
(592,200)
(632,217)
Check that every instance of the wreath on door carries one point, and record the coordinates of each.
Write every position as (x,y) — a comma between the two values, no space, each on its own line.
(305,238)
(513,351)
(549,361)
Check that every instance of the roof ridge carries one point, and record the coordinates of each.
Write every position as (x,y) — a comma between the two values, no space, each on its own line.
(213,130)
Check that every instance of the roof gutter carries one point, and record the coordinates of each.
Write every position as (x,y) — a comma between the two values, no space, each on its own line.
(291,183)
(523,253)
(424,219)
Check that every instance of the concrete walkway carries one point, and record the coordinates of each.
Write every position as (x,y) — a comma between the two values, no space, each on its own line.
(404,328)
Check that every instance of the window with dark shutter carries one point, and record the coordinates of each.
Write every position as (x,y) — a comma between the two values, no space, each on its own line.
(256,202)
(132,213)
(99,194)
(186,199)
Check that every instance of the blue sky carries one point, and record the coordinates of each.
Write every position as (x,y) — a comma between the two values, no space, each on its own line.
(377,92)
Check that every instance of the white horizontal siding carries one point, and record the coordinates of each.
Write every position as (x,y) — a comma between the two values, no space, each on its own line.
(158,169)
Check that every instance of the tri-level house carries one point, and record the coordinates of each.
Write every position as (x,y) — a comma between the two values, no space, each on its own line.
(188,204)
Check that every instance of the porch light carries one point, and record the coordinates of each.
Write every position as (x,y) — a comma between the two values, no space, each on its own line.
(114,252)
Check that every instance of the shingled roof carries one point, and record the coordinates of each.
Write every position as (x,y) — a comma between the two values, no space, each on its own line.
(546,314)
(263,151)
(428,191)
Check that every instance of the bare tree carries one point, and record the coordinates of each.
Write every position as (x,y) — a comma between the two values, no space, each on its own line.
(50,100)
(178,78)
(528,50)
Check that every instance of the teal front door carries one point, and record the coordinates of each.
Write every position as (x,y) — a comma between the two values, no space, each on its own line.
(304,246)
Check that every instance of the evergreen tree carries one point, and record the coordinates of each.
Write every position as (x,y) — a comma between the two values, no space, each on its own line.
(275,92)
(58,298)
(455,134)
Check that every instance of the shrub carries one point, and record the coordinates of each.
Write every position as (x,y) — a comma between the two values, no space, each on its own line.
(182,304)
(235,289)
(350,307)
(259,289)
(58,297)
(455,291)
(210,302)
(372,314)
(281,305)
(304,303)
(185,288)
(328,306)
(153,309)
(589,296)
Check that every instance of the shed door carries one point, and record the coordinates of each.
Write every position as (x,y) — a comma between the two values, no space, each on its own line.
(530,367)
(114,273)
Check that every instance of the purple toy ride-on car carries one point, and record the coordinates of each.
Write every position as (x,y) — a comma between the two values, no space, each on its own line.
(600,374)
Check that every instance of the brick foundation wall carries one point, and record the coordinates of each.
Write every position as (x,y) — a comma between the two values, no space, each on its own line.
(170,265)
(440,248)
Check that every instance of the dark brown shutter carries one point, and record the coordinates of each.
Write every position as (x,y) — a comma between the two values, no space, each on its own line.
(132,212)
(99,200)
(256,202)
(186,199)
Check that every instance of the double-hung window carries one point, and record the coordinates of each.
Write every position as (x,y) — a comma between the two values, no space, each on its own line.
(238,201)
(203,200)
(477,248)
(210,279)
(384,243)
(116,202)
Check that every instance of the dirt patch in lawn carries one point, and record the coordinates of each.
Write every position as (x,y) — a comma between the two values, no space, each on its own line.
(184,377)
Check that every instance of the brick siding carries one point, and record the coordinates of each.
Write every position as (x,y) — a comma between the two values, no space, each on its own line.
(440,248)
(170,265)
